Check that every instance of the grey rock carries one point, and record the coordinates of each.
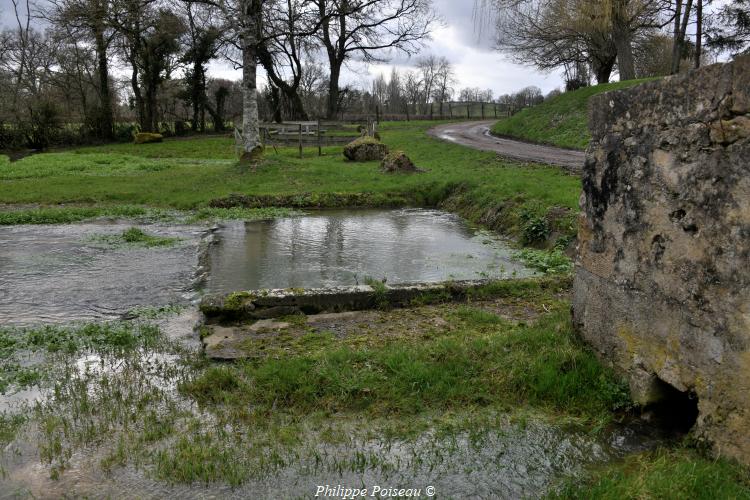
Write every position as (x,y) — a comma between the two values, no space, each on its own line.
(662,286)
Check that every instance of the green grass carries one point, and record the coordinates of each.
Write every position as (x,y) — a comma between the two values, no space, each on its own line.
(485,361)
(101,336)
(16,343)
(547,261)
(189,174)
(136,237)
(68,214)
(663,474)
(561,121)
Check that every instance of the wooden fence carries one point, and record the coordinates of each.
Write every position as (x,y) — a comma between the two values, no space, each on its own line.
(313,133)
(439,111)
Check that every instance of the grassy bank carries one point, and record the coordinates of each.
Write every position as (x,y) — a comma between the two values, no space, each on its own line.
(561,121)
(190,174)
(664,473)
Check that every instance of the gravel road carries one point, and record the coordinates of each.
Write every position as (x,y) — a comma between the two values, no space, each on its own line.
(477,135)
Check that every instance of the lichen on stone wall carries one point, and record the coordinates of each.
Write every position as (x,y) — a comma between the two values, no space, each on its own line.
(662,287)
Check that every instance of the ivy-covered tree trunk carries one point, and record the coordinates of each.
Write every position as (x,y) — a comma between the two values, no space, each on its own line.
(251,144)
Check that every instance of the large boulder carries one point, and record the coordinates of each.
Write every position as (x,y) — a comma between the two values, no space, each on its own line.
(365,149)
(397,161)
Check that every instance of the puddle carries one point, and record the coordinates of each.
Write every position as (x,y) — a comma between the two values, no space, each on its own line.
(343,247)
(63,273)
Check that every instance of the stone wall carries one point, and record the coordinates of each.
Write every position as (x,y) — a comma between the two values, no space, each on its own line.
(662,286)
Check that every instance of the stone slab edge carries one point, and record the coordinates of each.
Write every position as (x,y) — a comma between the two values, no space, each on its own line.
(264,304)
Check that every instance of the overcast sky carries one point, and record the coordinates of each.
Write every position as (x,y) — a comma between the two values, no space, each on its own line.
(476,63)
(467,47)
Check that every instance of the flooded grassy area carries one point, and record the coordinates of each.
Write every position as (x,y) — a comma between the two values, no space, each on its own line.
(492,398)
(397,396)
(106,392)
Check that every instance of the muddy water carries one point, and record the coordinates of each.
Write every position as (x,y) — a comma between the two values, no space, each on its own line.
(343,247)
(62,273)
(510,461)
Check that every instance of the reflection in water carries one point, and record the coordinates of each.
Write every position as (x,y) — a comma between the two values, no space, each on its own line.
(61,273)
(341,248)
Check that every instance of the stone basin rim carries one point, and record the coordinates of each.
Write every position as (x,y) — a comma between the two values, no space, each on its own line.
(274,303)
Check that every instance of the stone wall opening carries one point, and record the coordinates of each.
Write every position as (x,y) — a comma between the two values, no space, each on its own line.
(675,412)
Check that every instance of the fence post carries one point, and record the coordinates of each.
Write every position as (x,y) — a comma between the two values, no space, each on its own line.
(468,110)
(450,109)
(482,110)
(320,145)
(495,106)
(300,140)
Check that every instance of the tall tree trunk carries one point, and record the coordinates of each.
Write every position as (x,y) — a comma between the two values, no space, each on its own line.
(333,91)
(139,107)
(196,94)
(106,124)
(622,39)
(698,33)
(251,144)
(675,38)
(276,104)
(150,119)
(292,98)
(680,27)
(296,106)
(603,70)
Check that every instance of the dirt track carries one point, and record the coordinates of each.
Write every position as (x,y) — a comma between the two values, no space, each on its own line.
(477,135)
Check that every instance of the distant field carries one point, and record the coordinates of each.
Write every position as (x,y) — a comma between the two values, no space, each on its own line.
(561,121)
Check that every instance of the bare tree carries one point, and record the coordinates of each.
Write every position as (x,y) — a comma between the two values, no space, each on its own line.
(289,29)
(368,28)
(444,82)
(203,42)
(412,90)
(88,21)
(681,18)
(567,33)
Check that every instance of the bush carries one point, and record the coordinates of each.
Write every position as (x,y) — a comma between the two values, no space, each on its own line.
(43,126)
(534,229)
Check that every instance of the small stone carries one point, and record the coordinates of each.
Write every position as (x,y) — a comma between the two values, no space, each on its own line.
(268,324)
